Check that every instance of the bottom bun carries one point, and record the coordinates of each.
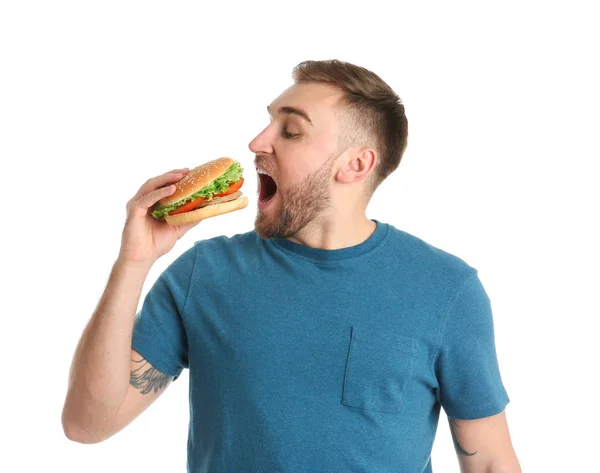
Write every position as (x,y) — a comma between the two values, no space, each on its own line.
(207,212)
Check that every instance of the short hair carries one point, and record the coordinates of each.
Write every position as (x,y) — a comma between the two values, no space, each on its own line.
(374,112)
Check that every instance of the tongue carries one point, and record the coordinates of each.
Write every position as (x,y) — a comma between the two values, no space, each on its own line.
(268,188)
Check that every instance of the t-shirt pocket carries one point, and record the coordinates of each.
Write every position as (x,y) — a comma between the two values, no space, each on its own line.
(379,366)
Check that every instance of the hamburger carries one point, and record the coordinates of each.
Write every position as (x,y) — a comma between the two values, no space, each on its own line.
(207,190)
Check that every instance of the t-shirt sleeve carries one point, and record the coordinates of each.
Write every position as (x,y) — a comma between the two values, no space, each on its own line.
(159,333)
(466,365)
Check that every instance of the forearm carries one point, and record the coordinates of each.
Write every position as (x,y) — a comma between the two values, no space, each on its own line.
(99,375)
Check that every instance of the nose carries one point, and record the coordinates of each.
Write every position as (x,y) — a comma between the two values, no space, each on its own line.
(261,144)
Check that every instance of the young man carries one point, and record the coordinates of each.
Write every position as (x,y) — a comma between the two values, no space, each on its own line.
(321,341)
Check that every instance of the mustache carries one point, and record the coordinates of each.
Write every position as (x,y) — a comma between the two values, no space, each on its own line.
(259,160)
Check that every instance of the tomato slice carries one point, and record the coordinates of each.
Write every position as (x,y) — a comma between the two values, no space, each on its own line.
(193,204)
(232,188)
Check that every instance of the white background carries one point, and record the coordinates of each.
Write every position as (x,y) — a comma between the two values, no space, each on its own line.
(502,101)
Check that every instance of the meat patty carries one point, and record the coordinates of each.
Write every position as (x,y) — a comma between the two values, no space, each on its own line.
(219,200)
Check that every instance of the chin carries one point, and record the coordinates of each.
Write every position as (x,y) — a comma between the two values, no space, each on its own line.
(267,229)
(264,230)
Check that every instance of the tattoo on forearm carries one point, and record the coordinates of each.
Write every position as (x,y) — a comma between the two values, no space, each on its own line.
(146,381)
(457,445)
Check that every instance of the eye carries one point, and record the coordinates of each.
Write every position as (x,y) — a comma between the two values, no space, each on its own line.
(286,134)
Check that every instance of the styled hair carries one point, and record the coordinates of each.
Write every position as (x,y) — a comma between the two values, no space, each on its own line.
(374,113)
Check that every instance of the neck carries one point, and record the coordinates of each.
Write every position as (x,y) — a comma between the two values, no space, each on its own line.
(335,233)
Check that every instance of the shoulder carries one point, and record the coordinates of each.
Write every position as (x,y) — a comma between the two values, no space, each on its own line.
(224,249)
(227,242)
(417,255)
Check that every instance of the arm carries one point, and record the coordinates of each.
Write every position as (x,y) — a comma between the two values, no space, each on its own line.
(484,445)
(99,375)
(146,384)
(470,385)
(99,398)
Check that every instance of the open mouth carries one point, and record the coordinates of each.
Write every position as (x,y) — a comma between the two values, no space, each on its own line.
(268,188)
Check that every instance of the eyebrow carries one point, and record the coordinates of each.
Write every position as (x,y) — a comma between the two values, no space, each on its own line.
(292,111)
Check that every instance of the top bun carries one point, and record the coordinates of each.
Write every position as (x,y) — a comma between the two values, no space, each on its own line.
(196,179)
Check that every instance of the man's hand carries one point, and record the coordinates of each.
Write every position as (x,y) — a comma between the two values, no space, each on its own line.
(144,238)
(484,445)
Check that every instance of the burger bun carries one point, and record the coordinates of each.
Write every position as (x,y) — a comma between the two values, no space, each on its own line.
(207,212)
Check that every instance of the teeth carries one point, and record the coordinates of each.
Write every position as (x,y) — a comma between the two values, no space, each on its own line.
(262,171)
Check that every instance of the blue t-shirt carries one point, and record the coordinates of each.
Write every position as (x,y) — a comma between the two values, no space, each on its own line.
(309,360)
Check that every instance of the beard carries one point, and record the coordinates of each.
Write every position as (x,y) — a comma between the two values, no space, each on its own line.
(298,205)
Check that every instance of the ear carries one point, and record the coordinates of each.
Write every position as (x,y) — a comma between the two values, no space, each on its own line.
(358,167)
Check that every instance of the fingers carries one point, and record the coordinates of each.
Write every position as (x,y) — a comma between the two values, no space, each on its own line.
(148,200)
(159,181)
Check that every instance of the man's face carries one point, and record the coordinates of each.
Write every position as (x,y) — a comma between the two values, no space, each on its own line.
(299,153)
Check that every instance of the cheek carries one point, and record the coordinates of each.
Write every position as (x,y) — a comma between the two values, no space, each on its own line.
(325,146)
(310,152)
(291,175)
(303,157)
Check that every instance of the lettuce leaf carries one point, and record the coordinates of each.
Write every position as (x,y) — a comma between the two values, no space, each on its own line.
(233,174)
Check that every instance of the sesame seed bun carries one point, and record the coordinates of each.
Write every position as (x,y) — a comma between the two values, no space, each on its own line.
(196,179)
(208,211)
